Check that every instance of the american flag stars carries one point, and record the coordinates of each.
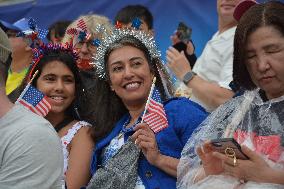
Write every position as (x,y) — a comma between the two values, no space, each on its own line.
(34,100)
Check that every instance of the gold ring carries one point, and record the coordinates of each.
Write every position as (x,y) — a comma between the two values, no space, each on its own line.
(230,152)
(234,161)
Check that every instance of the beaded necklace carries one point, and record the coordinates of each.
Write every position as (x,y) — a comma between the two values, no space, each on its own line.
(129,129)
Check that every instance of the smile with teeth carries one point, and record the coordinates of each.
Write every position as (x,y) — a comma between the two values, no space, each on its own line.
(57,98)
(132,86)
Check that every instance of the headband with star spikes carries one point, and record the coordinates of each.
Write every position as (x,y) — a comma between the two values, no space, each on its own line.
(45,49)
(34,35)
(116,35)
(80,34)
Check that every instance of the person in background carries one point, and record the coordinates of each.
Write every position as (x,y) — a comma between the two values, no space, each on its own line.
(58,78)
(254,119)
(56,31)
(127,64)
(21,55)
(127,14)
(85,38)
(181,40)
(212,73)
(30,150)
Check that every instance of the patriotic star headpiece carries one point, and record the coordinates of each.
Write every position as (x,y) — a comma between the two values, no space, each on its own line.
(44,49)
(117,34)
(34,35)
(80,34)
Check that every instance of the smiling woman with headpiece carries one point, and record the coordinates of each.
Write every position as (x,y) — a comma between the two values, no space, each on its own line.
(127,62)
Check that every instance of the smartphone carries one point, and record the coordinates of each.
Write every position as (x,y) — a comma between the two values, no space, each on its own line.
(183,32)
(229,144)
(180,46)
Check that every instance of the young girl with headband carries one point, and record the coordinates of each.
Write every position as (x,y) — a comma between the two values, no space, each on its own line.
(58,78)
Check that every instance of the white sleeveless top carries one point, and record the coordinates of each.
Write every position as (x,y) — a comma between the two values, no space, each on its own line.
(66,139)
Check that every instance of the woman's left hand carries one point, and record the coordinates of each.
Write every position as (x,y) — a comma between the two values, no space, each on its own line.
(145,139)
(254,169)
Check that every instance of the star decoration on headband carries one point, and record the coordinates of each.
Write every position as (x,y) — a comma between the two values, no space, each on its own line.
(32,24)
(118,25)
(96,42)
(44,49)
(116,35)
(80,34)
(34,35)
(136,23)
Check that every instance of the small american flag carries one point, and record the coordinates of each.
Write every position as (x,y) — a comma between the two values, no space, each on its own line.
(34,100)
(155,115)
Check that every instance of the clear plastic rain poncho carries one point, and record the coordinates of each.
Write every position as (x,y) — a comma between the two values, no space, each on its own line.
(252,122)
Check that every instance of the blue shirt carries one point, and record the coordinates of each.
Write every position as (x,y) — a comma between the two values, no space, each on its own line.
(183,117)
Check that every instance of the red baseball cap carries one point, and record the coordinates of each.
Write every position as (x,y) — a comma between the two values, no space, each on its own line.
(242,7)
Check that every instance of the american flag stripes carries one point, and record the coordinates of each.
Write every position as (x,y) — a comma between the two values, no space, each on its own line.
(82,25)
(72,31)
(34,100)
(155,115)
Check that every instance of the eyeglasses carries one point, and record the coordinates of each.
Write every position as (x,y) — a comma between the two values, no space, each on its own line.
(89,44)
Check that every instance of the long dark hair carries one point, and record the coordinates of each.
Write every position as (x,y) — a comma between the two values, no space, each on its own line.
(267,14)
(67,58)
(108,107)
